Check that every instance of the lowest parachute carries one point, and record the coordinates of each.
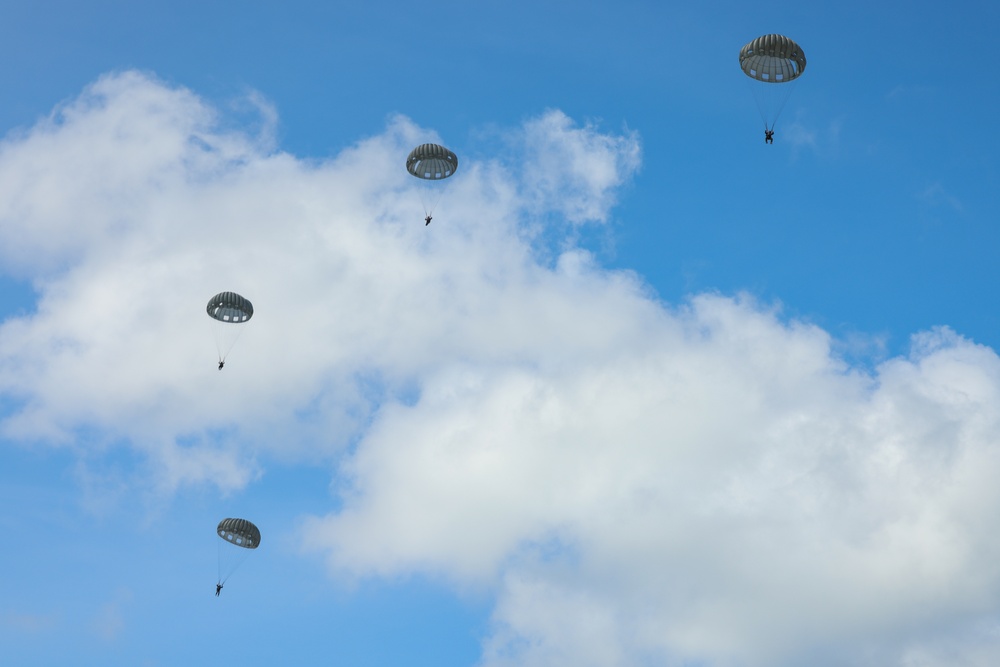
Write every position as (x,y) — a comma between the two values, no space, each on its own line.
(229,312)
(240,537)
(431,162)
(773,62)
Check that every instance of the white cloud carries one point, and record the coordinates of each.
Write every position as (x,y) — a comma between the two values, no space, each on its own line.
(92,170)
(25,623)
(575,170)
(799,135)
(728,492)
(636,483)
(108,622)
(133,204)
(936,195)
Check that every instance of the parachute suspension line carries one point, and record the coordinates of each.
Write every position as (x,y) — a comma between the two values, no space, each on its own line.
(232,342)
(758,101)
(218,347)
(431,193)
(770,99)
(226,335)
(240,559)
(782,100)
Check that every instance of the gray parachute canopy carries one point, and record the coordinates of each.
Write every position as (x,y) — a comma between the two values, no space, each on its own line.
(772,59)
(239,532)
(229,307)
(431,162)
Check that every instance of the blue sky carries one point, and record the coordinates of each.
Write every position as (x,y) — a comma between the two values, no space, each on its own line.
(646,392)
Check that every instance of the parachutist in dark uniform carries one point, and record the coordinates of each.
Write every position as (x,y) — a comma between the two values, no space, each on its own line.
(427,221)
(221,364)
(218,589)
(768,136)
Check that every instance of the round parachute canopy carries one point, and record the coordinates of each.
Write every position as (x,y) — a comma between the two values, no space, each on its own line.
(431,162)
(229,307)
(239,532)
(772,59)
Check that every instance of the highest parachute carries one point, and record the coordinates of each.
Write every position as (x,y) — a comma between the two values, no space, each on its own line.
(773,62)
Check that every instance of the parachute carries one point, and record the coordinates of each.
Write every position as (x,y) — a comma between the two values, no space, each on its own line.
(241,537)
(773,63)
(229,312)
(239,532)
(430,163)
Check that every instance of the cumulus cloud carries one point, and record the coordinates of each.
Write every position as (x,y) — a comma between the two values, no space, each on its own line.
(799,135)
(132,204)
(575,170)
(727,493)
(635,483)
(936,195)
(23,623)
(108,622)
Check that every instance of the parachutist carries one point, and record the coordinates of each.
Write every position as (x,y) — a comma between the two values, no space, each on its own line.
(239,535)
(773,62)
(768,136)
(229,312)
(431,162)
